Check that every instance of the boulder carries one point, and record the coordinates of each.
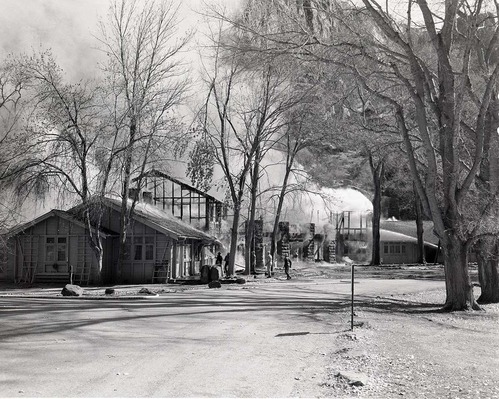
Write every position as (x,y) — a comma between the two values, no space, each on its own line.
(146,291)
(240,280)
(214,274)
(109,291)
(205,274)
(214,284)
(72,290)
(353,378)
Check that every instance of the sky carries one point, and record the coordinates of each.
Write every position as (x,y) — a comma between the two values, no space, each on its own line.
(69,28)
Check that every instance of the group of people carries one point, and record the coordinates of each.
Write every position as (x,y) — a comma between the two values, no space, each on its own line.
(220,259)
(269,264)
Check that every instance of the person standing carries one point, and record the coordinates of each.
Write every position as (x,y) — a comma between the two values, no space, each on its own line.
(287,266)
(226,266)
(219,260)
(218,264)
(269,264)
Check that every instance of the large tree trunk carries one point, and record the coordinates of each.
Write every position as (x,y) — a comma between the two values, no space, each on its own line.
(488,256)
(419,228)
(233,238)
(377,175)
(251,260)
(93,235)
(125,212)
(488,248)
(457,278)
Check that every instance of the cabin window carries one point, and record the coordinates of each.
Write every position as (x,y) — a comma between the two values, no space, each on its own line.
(56,249)
(394,248)
(143,248)
(61,249)
(137,248)
(149,248)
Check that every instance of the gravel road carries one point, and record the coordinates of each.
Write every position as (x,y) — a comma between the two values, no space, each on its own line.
(268,338)
(261,340)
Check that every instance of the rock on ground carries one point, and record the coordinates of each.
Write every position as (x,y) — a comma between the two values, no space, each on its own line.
(214,284)
(353,378)
(72,290)
(146,291)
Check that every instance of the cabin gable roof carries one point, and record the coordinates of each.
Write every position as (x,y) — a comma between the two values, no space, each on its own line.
(158,220)
(105,233)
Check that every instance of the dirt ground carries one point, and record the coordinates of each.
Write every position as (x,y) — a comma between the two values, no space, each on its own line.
(267,338)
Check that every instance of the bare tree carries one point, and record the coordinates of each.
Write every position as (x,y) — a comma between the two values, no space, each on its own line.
(232,147)
(64,132)
(145,78)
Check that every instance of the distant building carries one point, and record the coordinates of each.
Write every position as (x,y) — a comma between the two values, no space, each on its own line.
(399,242)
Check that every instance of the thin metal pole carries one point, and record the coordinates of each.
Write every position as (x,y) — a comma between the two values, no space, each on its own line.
(351,313)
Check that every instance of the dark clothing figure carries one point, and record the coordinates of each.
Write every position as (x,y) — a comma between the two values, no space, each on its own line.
(226,266)
(253,262)
(287,266)
(219,260)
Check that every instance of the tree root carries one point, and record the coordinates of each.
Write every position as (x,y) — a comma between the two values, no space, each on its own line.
(488,298)
(454,307)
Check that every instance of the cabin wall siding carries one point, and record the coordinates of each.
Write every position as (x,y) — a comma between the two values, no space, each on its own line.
(27,260)
(409,256)
(139,271)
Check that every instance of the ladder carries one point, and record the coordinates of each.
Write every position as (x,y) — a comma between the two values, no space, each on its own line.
(82,269)
(29,252)
(160,273)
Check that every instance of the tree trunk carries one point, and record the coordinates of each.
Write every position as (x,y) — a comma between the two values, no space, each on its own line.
(122,237)
(94,240)
(419,228)
(233,239)
(124,214)
(377,175)
(250,227)
(488,256)
(277,219)
(488,248)
(457,279)
(280,204)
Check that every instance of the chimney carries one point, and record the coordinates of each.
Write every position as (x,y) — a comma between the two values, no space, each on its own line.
(147,197)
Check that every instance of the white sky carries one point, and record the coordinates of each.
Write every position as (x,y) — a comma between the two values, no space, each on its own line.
(69,27)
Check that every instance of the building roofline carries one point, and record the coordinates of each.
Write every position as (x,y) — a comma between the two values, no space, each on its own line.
(53,212)
(403,238)
(157,173)
(153,225)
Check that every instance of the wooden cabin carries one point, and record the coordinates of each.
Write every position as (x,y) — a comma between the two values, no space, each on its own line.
(159,247)
(46,249)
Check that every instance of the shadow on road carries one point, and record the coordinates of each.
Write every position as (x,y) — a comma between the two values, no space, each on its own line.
(58,314)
